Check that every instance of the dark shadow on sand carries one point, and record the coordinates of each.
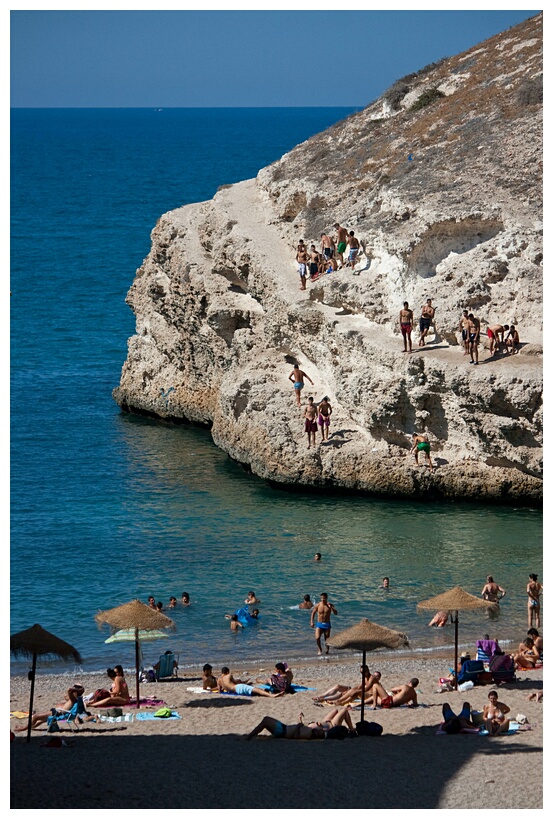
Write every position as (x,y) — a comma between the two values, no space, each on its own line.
(174,770)
(216,702)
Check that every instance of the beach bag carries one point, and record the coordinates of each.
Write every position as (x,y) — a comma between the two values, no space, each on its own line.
(114,712)
(337,732)
(368,729)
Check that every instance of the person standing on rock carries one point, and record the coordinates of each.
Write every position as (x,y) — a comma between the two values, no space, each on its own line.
(406,324)
(342,242)
(296,377)
(421,444)
(464,328)
(426,319)
(310,414)
(327,246)
(325,411)
(353,243)
(474,338)
(314,263)
(301,259)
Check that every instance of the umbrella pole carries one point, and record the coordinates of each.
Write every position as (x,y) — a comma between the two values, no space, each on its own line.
(456,648)
(31,700)
(137,669)
(363,686)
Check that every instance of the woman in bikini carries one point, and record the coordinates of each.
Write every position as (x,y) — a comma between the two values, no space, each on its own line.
(527,655)
(495,712)
(119,691)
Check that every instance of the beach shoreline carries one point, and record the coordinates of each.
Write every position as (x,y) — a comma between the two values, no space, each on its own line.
(203,762)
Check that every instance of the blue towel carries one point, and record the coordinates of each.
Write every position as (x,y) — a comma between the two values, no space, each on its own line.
(174,715)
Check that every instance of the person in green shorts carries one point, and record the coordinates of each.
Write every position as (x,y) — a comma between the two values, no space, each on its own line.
(341,242)
(420,444)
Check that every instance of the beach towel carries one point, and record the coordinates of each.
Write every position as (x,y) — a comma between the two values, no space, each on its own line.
(19,714)
(293,687)
(148,701)
(197,689)
(147,716)
(532,668)
(123,718)
(513,727)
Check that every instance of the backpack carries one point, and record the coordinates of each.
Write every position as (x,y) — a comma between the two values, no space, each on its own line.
(368,729)
(337,732)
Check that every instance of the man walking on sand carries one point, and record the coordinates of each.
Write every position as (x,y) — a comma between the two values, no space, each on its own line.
(342,240)
(301,259)
(406,325)
(400,695)
(320,621)
(296,377)
(426,319)
(310,422)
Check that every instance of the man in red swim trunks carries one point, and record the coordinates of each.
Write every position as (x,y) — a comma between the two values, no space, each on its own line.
(400,695)
(325,411)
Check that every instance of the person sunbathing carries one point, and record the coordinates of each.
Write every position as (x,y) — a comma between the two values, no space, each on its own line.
(119,691)
(400,695)
(495,720)
(356,691)
(72,695)
(226,682)
(339,690)
(528,655)
(454,724)
(313,730)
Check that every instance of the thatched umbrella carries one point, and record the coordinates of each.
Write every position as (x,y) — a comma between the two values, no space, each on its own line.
(137,616)
(367,636)
(456,599)
(37,641)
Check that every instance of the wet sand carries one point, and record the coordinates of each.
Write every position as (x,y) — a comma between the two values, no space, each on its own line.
(202,760)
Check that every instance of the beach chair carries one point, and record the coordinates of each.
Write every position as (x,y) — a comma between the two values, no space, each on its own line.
(72,717)
(485,649)
(502,668)
(167,666)
(470,671)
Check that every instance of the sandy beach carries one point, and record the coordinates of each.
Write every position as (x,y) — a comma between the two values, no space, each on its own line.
(202,760)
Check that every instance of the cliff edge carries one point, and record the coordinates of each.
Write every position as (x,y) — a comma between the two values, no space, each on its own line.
(441,179)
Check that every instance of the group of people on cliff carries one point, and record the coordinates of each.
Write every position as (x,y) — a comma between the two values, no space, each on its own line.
(313,263)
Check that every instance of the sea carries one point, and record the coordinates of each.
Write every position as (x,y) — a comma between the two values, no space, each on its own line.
(107,507)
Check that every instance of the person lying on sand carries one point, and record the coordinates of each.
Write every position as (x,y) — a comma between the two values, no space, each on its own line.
(344,694)
(400,695)
(72,694)
(119,691)
(453,724)
(495,720)
(314,730)
(226,682)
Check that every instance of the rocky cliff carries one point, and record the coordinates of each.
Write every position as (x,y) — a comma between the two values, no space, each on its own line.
(441,180)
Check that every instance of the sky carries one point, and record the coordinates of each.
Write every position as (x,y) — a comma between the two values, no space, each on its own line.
(232,58)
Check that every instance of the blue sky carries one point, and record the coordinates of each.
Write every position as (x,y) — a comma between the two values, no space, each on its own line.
(231,58)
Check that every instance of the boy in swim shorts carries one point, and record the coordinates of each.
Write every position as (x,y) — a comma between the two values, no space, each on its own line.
(325,411)
(342,242)
(353,248)
(310,421)
(322,611)
(400,695)
(226,682)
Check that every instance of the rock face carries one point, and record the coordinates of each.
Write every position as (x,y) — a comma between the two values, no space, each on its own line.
(441,180)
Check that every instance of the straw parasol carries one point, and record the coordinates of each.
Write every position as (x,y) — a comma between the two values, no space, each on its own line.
(456,599)
(367,636)
(34,642)
(138,617)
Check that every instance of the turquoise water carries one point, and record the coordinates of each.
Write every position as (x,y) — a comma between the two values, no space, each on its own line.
(108,507)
